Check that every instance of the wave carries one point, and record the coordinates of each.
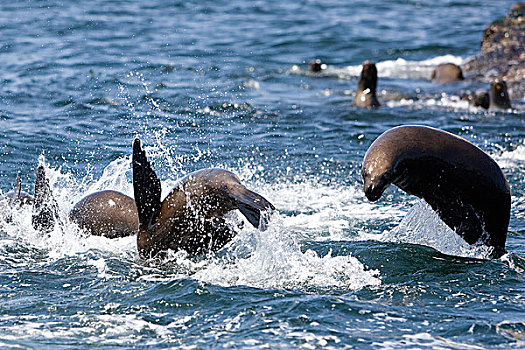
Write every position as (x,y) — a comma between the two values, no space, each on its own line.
(398,68)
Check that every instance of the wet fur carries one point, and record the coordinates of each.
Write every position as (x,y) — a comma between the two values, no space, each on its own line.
(191,217)
(460,182)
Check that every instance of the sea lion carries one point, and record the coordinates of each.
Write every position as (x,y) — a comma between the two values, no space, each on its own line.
(457,179)
(16,196)
(499,96)
(447,73)
(190,218)
(365,95)
(316,66)
(106,213)
(496,98)
(45,208)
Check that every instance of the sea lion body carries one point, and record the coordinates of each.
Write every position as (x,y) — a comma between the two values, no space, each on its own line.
(190,218)
(495,98)
(457,179)
(499,95)
(106,213)
(447,73)
(365,96)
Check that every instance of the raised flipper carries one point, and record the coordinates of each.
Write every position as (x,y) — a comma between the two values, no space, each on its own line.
(16,192)
(147,189)
(45,207)
(250,204)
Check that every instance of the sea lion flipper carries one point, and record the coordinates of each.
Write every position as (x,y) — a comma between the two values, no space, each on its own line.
(16,191)
(146,186)
(45,206)
(250,204)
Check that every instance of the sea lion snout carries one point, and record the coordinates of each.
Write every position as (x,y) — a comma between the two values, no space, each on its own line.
(374,190)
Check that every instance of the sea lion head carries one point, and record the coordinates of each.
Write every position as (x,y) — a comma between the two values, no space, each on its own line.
(368,78)
(377,172)
(499,96)
(316,65)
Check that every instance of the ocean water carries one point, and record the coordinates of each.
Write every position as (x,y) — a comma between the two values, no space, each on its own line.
(225,84)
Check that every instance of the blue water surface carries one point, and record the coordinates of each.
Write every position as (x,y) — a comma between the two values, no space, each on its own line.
(226,84)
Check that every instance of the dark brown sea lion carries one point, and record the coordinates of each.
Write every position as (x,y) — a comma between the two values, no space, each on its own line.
(106,213)
(365,95)
(447,73)
(499,96)
(457,179)
(496,98)
(316,66)
(191,217)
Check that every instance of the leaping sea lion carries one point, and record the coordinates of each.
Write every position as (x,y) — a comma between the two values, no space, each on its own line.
(190,218)
(365,95)
(457,179)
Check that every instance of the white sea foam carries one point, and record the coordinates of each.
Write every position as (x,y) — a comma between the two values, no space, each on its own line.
(511,159)
(273,258)
(398,68)
(423,340)
(423,226)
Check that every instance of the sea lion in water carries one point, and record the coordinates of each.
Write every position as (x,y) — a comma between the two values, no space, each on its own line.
(365,95)
(316,66)
(105,213)
(457,179)
(496,98)
(447,73)
(499,96)
(16,196)
(190,218)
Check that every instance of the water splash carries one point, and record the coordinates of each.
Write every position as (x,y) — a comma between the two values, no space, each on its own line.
(273,258)
(423,226)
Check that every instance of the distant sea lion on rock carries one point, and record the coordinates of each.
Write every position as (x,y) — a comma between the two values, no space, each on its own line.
(502,53)
(457,179)
(365,95)
(447,73)
(105,213)
(496,98)
(190,218)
